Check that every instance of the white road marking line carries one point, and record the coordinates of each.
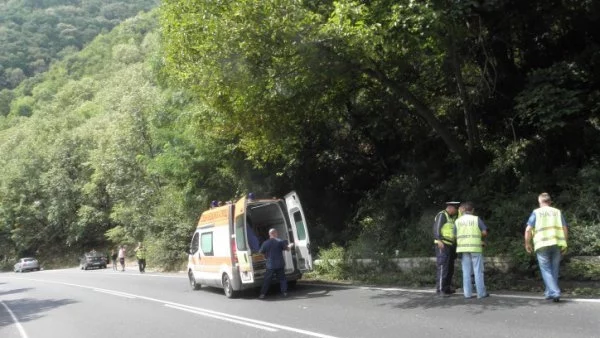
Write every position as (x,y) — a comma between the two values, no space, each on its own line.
(119,272)
(116,293)
(258,322)
(202,313)
(19,326)
(217,314)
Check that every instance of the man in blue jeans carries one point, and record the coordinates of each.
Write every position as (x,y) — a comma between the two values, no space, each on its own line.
(273,250)
(548,228)
(470,231)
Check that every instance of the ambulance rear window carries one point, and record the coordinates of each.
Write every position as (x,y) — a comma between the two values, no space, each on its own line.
(300,227)
(240,232)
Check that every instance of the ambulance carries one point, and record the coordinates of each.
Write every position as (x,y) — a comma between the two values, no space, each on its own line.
(224,248)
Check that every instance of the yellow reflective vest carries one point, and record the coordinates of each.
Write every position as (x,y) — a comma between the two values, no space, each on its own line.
(447,230)
(548,228)
(141,253)
(468,234)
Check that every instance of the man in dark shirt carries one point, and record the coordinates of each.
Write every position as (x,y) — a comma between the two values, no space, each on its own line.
(273,250)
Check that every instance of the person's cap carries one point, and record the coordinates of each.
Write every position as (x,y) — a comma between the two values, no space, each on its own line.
(453,203)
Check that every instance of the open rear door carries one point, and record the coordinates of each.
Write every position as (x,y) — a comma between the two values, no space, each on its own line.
(242,251)
(300,230)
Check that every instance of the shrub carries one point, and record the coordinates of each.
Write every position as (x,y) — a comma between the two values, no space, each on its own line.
(332,263)
(581,269)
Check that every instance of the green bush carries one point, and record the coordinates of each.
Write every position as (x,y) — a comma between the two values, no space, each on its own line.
(584,239)
(578,269)
(332,263)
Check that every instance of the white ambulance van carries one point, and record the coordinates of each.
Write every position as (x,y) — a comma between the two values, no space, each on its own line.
(224,248)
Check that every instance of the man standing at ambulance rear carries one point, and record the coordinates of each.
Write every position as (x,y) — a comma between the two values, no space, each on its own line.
(547,227)
(273,250)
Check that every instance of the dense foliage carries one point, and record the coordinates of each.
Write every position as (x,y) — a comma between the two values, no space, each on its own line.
(34,33)
(374,111)
(379,111)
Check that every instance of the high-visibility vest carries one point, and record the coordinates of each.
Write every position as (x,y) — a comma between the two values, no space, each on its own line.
(468,234)
(548,228)
(447,230)
(141,253)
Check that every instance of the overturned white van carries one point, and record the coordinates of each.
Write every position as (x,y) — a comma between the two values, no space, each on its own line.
(224,248)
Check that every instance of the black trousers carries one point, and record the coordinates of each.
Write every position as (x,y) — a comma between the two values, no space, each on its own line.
(142,264)
(445,259)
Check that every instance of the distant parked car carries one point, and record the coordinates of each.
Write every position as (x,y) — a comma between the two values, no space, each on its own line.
(27,264)
(92,259)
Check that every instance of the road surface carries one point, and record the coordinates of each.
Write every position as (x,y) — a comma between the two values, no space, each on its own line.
(72,303)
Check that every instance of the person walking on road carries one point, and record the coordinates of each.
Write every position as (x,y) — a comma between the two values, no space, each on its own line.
(114,255)
(122,257)
(445,248)
(548,229)
(140,254)
(470,230)
(273,250)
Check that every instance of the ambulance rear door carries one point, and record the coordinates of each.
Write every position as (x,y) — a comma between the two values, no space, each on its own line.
(300,230)
(242,250)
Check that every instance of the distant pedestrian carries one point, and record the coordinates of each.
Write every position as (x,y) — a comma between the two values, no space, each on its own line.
(470,230)
(122,251)
(273,250)
(140,254)
(548,228)
(114,255)
(445,248)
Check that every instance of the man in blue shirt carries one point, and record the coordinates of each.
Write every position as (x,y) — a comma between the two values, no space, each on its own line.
(548,230)
(273,250)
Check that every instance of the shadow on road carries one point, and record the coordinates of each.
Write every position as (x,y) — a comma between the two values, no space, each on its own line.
(27,309)
(413,300)
(13,291)
(299,291)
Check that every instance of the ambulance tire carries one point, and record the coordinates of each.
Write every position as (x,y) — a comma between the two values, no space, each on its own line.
(193,284)
(228,288)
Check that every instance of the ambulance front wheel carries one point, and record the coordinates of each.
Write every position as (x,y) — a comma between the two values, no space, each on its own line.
(228,288)
(193,284)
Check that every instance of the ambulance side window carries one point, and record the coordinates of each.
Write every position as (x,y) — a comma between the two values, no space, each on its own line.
(206,243)
(195,244)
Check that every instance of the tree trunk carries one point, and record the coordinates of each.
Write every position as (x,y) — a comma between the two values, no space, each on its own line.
(470,125)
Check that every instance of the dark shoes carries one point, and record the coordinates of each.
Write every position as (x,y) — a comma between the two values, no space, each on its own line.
(261,297)
(553,299)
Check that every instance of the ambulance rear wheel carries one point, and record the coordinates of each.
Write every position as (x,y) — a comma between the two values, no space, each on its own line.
(228,288)
(193,284)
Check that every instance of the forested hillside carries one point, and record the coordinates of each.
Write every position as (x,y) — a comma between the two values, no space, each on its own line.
(375,112)
(34,33)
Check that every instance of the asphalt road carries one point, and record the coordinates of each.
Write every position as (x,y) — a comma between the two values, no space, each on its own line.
(72,303)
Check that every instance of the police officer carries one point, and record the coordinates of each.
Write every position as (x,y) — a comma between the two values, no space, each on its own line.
(140,254)
(445,248)
(549,242)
